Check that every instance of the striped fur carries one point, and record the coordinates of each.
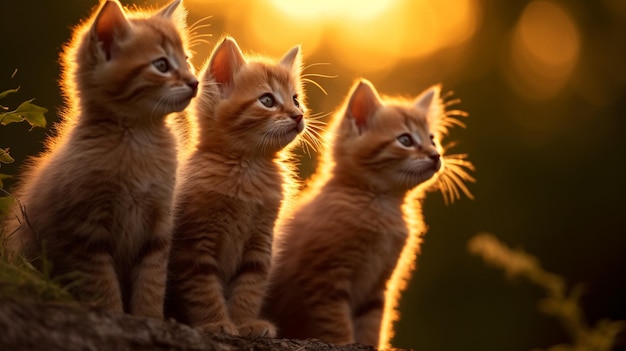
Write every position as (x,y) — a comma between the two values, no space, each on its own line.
(358,225)
(97,203)
(232,188)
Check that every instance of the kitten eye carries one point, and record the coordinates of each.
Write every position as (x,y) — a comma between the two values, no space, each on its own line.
(295,101)
(406,140)
(162,65)
(267,100)
(432,139)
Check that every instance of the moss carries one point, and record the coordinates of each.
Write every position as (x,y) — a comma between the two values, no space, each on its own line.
(20,280)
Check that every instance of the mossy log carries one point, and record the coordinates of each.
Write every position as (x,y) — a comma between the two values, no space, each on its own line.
(26,325)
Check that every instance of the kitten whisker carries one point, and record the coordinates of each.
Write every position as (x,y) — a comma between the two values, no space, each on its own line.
(316,123)
(446,124)
(195,37)
(307,148)
(307,80)
(269,138)
(446,189)
(315,64)
(448,94)
(195,41)
(450,102)
(313,132)
(406,178)
(448,118)
(319,75)
(198,24)
(317,120)
(304,77)
(454,176)
(459,113)
(310,140)
(316,136)
(200,35)
(163,104)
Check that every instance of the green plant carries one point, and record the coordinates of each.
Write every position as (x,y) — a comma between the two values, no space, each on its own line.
(18,278)
(559,303)
(25,112)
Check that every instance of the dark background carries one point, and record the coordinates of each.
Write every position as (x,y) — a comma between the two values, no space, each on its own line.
(550,168)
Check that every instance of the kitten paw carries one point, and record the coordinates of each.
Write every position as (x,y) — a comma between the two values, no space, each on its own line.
(256,328)
(222,327)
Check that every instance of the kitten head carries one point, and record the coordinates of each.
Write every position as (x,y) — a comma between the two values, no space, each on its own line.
(134,63)
(389,145)
(250,106)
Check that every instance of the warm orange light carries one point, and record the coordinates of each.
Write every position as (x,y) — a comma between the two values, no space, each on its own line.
(364,36)
(324,9)
(544,51)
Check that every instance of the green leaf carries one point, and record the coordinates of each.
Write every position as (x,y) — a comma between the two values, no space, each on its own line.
(5,204)
(7,92)
(5,157)
(28,112)
(2,177)
(10,117)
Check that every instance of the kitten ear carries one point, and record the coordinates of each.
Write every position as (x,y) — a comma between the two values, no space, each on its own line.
(364,102)
(225,61)
(110,24)
(168,10)
(424,102)
(292,59)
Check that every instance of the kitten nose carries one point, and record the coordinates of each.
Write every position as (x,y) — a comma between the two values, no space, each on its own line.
(435,157)
(194,86)
(296,118)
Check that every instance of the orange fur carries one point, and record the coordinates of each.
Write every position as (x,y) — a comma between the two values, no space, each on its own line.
(97,203)
(232,188)
(341,259)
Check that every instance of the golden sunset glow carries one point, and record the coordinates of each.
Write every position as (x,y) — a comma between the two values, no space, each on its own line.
(327,8)
(366,36)
(545,48)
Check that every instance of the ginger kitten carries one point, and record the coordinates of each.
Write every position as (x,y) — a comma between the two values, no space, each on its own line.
(342,256)
(249,113)
(97,204)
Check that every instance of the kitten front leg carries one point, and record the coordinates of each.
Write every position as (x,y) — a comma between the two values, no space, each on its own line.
(245,306)
(90,277)
(197,292)
(148,279)
(367,321)
(205,305)
(331,318)
(249,288)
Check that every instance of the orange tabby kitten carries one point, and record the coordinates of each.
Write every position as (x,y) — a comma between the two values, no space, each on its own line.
(249,112)
(98,202)
(359,223)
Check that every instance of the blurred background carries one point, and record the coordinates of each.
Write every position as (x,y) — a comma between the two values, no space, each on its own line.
(544,83)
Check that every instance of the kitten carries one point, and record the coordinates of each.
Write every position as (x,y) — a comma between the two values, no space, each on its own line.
(342,256)
(249,111)
(99,201)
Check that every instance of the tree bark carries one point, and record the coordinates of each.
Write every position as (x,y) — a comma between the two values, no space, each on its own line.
(26,325)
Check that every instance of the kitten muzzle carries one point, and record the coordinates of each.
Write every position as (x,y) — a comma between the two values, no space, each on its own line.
(299,123)
(194,87)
